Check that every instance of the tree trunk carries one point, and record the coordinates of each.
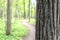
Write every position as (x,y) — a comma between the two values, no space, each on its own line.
(24,11)
(47,20)
(29,11)
(59,11)
(17,9)
(9,16)
(1,13)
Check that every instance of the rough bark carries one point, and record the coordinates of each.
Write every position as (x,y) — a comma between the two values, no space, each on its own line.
(59,11)
(9,16)
(47,20)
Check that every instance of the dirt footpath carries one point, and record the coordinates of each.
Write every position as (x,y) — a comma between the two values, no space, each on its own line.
(31,34)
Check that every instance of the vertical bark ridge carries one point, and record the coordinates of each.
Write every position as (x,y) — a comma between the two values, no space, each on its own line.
(46,22)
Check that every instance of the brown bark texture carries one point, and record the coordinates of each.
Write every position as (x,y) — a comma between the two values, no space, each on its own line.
(47,20)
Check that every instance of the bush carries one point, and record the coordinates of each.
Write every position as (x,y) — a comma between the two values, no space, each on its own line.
(18,31)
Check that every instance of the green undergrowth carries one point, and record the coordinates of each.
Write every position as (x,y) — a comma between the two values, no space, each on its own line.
(18,30)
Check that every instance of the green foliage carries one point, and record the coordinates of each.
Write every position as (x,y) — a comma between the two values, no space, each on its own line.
(18,30)
(1,3)
(18,5)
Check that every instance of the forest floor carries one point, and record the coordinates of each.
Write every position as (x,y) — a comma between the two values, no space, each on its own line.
(31,33)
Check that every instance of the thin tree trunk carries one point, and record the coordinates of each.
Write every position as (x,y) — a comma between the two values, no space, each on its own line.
(1,13)
(24,11)
(29,11)
(9,16)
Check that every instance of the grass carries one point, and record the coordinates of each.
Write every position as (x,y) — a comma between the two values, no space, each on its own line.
(17,32)
(32,21)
